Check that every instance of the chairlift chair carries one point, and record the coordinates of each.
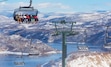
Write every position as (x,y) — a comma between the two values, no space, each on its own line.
(19,61)
(26,10)
(108,45)
(82,48)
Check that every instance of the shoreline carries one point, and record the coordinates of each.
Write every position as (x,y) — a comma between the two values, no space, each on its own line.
(13,53)
(27,54)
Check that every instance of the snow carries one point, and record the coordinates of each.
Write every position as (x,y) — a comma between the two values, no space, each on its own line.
(27,26)
(82,18)
(15,37)
(4,19)
(91,60)
(87,20)
(14,53)
(51,52)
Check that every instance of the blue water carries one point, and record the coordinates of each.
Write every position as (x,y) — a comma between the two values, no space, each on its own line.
(8,60)
(70,47)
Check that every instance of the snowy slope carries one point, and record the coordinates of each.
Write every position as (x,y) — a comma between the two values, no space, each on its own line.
(16,43)
(4,19)
(90,60)
(85,59)
(94,20)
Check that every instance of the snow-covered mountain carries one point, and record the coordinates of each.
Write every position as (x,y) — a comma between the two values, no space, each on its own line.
(94,22)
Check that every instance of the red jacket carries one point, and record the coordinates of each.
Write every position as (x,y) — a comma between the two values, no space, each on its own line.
(27,16)
(35,17)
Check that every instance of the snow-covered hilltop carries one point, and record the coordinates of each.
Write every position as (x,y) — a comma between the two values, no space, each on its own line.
(85,59)
(89,60)
(18,44)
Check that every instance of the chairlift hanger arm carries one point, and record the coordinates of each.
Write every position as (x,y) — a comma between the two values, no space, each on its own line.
(30,3)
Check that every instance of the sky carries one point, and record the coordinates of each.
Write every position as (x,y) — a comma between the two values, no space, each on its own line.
(59,5)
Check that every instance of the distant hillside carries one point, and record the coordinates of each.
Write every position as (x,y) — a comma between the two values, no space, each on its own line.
(93,22)
(16,43)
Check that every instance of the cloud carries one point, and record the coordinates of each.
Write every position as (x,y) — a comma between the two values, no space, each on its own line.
(60,5)
(46,6)
(2,3)
(53,5)
(108,4)
(11,6)
(21,4)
